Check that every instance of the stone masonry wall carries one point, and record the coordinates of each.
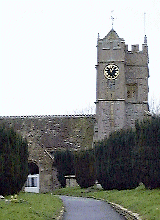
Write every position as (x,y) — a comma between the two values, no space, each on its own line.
(120,101)
(46,134)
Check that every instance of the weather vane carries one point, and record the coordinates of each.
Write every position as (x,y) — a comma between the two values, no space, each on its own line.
(112,18)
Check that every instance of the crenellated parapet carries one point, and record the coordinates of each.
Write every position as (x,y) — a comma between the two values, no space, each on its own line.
(135,56)
(122,84)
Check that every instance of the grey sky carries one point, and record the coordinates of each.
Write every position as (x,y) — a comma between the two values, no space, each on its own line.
(48,51)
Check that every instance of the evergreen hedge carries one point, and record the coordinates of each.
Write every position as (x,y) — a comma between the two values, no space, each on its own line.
(121,161)
(115,161)
(64,161)
(148,149)
(13,161)
(85,168)
(80,163)
(129,157)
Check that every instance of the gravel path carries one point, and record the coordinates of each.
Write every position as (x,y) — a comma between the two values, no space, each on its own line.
(78,208)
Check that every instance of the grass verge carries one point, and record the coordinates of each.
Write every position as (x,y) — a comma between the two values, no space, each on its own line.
(31,206)
(140,200)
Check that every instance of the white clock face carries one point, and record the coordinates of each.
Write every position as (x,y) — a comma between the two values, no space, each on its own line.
(111,71)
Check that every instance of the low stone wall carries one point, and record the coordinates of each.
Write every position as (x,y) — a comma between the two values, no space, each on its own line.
(60,217)
(122,211)
(125,212)
(71,181)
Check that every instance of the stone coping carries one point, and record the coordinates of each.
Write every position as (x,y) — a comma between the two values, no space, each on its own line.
(70,177)
(49,116)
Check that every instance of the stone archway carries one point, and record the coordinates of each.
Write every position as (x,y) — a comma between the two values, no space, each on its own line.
(33,168)
(32,183)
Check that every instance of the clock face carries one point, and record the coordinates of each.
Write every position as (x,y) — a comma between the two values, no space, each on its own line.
(111,71)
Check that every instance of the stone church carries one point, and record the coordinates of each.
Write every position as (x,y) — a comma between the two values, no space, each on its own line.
(121,98)
(122,84)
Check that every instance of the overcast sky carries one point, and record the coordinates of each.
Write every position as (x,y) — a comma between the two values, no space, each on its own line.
(48,51)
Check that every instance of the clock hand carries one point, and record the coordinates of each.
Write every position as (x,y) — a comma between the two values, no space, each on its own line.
(114,71)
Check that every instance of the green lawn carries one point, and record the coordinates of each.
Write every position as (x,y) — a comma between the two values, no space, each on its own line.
(140,200)
(47,206)
(31,206)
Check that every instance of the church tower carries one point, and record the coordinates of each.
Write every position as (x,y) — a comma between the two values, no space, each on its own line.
(121,86)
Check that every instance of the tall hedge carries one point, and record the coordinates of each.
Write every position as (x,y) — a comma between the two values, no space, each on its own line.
(64,161)
(13,161)
(85,168)
(121,161)
(115,161)
(80,163)
(148,148)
